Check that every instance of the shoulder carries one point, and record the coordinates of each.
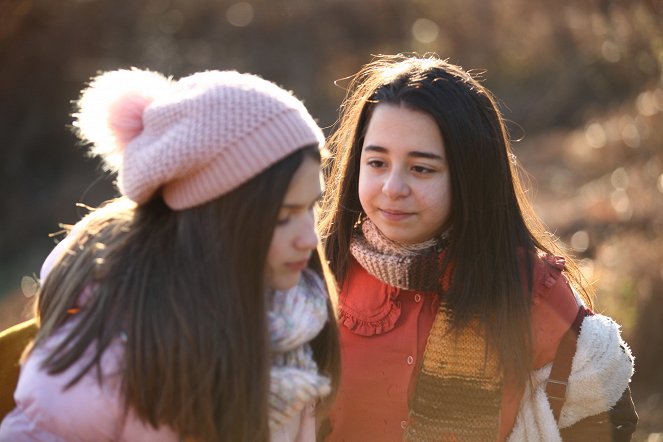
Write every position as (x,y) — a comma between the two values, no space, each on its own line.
(546,279)
(13,342)
(547,274)
(89,410)
(554,306)
(602,370)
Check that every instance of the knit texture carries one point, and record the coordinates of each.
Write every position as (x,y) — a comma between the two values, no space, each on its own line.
(194,139)
(296,317)
(459,387)
(414,267)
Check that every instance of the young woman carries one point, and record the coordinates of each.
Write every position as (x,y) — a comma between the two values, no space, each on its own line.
(453,300)
(192,307)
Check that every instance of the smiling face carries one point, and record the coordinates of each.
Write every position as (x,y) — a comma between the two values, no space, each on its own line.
(404,184)
(294,236)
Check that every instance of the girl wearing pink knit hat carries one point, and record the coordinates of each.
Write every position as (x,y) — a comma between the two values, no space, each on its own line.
(191,307)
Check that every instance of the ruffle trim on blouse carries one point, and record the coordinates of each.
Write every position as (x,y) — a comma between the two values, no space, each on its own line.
(550,271)
(377,321)
(381,316)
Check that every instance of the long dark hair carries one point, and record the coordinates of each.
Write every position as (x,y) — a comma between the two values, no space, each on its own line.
(494,231)
(186,290)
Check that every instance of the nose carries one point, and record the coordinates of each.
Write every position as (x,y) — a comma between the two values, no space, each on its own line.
(307,239)
(395,186)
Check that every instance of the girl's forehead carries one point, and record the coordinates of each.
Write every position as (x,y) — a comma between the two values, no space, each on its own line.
(305,186)
(394,127)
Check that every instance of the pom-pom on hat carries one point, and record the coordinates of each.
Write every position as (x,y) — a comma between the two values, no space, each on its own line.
(195,139)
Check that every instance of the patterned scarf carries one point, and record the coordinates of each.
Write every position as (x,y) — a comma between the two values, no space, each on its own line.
(459,387)
(296,316)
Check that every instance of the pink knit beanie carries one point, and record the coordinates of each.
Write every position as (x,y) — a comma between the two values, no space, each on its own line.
(195,139)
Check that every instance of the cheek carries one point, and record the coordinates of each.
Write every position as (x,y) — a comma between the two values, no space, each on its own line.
(443,211)
(275,249)
(437,198)
(367,188)
(273,266)
(362,190)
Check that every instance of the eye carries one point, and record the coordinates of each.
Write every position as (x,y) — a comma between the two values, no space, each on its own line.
(422,170)
(288,214)
(376,164)
(283,218)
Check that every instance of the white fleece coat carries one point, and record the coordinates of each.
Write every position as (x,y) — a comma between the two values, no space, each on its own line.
(601,370)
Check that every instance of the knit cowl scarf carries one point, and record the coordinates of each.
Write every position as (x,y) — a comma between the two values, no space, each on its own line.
(410,267)
(296,316)
(458,388)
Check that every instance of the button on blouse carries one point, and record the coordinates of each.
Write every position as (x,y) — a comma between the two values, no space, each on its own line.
(376,377)
(382,326)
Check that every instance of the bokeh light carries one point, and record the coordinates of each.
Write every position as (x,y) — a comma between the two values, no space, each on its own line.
(610,51)
(619,179)
(622,204)
(631,135)
(595,135)
(425,30)
(240,14)
(29,286)
(580,241)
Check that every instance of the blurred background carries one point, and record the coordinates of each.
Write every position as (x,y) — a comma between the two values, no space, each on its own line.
(580,81)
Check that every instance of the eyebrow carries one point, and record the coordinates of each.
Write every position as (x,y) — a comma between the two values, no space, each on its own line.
(413,154)
(296,206)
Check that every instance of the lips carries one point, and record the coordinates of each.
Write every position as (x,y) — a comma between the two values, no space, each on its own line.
(395,215)
(297,266)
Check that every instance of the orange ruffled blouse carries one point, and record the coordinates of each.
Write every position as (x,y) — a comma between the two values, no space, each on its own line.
(383,335)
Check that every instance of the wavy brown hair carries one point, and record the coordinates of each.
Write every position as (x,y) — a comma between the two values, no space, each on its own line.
(186,290)
(491,221)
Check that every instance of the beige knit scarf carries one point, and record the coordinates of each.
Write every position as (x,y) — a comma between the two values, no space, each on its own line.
(296,316)
(459,386)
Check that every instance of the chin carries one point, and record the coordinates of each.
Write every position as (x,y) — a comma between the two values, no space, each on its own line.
(405,235)
(396,235)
